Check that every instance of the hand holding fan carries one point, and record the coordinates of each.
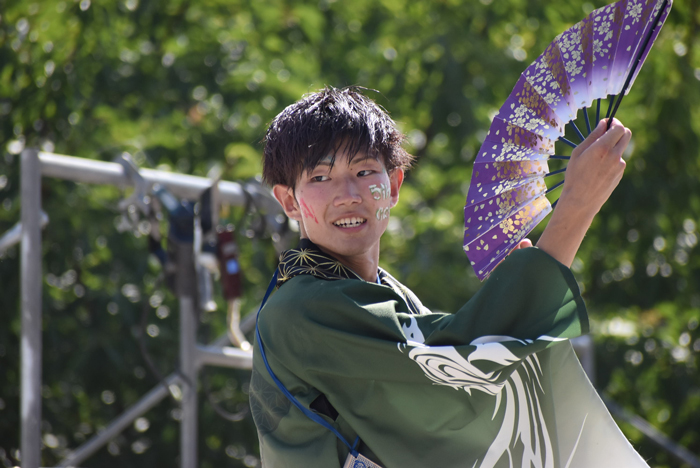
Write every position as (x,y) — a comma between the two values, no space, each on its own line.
(597,58)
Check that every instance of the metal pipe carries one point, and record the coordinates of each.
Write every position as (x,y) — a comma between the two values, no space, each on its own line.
(188,370)
(147,402)
(31,278)
(224,357)
(181,185)
(186,286)
(37,164)
(14,235)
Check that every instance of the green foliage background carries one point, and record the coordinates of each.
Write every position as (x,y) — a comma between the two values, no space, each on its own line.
(189,86)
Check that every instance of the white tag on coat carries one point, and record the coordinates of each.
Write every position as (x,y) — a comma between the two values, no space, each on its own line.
(359,462)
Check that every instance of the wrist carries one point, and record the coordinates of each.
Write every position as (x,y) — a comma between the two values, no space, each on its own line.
(566,229)
(577,210)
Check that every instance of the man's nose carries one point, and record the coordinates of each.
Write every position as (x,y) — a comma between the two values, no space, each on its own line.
(348,192)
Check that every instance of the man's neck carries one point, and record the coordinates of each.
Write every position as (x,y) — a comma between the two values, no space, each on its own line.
(365,265)
(365,268)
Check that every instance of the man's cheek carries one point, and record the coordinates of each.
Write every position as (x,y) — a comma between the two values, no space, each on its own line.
(383,213)
(381,193)
(306,211)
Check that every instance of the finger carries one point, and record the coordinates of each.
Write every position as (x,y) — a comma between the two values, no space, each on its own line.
(597,132)
(525,243)
(612,137)
(615,132)
(623,142)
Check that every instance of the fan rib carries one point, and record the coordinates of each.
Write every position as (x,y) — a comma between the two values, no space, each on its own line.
(570,143)
(558,171)
(638,59)
(610,104)
(554,187)
(588,122)
(578,132)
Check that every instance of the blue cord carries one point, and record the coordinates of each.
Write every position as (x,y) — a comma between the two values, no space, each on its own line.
(310,414)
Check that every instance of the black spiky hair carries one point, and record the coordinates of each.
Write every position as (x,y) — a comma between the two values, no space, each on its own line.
(323,123)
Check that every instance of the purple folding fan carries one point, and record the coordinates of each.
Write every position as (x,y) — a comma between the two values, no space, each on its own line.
(594,59)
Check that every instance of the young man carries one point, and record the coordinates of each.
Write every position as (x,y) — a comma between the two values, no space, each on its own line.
(387,381)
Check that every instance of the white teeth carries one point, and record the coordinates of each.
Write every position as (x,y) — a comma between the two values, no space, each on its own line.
(350,222)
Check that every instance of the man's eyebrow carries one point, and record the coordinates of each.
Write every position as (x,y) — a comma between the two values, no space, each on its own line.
(366,158)
(326,161)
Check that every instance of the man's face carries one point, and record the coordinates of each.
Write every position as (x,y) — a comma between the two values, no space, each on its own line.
(344,209)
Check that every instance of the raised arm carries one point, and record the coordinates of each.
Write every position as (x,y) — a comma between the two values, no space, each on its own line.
(595,169)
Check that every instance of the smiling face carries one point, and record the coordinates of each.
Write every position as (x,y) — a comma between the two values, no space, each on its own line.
(344,209)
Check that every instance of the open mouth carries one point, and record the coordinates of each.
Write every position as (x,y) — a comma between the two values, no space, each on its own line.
(350,222)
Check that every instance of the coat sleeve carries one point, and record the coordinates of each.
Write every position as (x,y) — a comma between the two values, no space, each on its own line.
(326,333)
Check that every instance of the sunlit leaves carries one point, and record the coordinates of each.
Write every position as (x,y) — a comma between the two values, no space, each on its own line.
(188,86)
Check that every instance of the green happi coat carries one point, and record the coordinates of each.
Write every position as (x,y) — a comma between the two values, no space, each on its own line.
(495,384)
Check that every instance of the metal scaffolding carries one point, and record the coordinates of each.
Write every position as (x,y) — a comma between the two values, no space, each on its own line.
(34,166)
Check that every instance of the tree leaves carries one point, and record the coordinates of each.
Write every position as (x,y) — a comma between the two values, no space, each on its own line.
(191,85)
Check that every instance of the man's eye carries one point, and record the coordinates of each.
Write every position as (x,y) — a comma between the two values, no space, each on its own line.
(365,173)
(319,178)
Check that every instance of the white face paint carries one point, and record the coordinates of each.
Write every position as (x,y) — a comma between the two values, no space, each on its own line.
(383,213)
(383,192)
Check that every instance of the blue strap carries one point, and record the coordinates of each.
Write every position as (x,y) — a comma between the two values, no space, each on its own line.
(310,414)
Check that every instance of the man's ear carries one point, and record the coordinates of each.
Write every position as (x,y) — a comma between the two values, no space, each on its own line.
(395,181)
(285,196)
